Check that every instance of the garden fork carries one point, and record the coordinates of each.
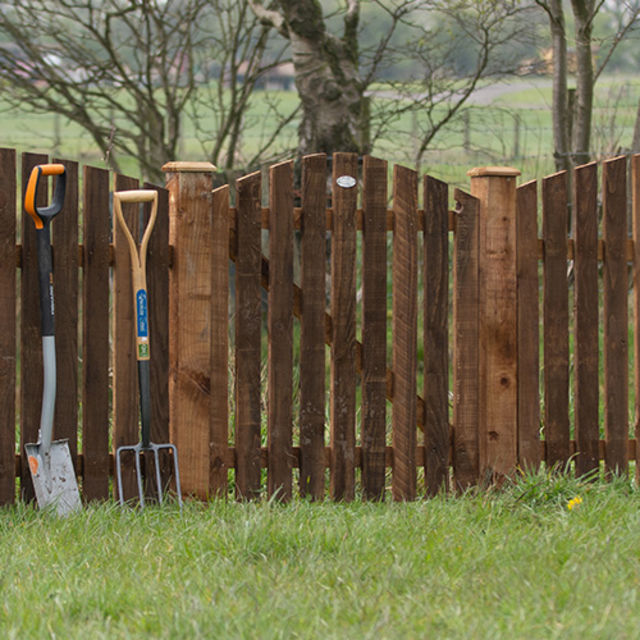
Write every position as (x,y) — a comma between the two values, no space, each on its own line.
(139,281)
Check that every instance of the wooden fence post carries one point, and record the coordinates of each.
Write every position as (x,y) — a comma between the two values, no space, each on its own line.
(8,189)
(190,222)
(495,187)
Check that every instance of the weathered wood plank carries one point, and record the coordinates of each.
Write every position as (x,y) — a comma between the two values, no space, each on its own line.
(495,187)
(247,336)
(436,335)
(343,314)
(125,374)
(374,326)
(30,339)
(405,332)
(158,303)
(8,189)
(556,319)
(218,470)
(280,331)
(190,228)
(615,281)
(635,216)
(312,348)
(466,462)
(65,249)
(528,326)
(587,431)
(96,229)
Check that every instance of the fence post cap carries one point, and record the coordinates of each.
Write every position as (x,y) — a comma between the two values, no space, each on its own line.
(188,167)
(493,172)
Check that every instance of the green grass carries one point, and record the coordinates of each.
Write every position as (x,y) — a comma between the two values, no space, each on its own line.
(511,564)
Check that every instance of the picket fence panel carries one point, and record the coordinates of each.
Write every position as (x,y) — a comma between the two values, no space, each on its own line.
(311,384)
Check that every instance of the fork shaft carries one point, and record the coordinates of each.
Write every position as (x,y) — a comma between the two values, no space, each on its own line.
(144,384)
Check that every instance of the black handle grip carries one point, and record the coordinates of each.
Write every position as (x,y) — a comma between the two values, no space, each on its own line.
(41,215)
(45,281)
(144,384)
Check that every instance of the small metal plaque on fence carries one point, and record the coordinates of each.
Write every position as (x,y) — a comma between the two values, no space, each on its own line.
(346,182)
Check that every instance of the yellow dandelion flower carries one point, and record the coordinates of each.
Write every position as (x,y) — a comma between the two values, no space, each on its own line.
(574,503)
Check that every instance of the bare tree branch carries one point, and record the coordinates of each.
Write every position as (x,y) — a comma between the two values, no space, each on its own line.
(131,74)
(269,17)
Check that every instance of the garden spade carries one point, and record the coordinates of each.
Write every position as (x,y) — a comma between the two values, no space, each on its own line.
(50,463)
(139,282)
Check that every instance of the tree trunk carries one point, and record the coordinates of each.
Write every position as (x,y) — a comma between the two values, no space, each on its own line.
(330,110)
(331,102)
(154,150)
(635,143)
(326,74)
(583,12)
(560,111)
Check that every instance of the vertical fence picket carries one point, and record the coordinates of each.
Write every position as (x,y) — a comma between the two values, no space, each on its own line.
(556,319)
(190,224)
(343,314)
(587,431)
(405,331)
(312,348)
(466,462)
(436,335)
(529,452)
(65,250)
(219,417)
(30,340)
(635,193)
(158,292)
(495,187)
(280,331)
(248,324)
(374,326)
(8,189)
(96,230)
(125,388)
(614,232)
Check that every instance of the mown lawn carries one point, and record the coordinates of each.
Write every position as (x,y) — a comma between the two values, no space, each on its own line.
(512,564)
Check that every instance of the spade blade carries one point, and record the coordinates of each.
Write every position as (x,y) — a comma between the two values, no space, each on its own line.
(54,478)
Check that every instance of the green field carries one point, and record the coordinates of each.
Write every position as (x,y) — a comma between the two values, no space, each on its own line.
(508,123)
(549,557)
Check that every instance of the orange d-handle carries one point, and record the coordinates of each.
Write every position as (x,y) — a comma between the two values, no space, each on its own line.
(138,262)
(45,214)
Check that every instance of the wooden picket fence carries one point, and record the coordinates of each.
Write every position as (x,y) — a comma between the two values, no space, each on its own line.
(97,385)
(359,413)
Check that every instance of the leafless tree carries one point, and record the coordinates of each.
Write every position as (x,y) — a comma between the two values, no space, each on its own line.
(572,116)
(131,73)
(335,71)
(487,30)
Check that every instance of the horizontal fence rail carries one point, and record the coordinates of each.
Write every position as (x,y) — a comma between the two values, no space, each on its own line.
(344,332)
